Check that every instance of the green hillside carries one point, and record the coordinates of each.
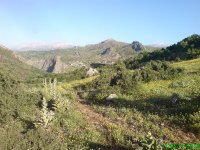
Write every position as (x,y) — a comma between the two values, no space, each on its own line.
(140,103)
(188,48)
(166,107)
(10,64)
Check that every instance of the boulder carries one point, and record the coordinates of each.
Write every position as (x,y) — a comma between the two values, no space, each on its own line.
(91,72)
(112,96)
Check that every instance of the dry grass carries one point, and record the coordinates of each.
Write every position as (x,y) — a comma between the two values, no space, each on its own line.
(189,66)
(75,83)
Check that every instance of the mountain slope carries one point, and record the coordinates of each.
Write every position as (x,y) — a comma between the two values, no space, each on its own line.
(10,64)
(105,52)
(188,48)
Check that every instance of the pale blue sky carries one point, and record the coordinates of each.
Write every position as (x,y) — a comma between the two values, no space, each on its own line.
(91,21)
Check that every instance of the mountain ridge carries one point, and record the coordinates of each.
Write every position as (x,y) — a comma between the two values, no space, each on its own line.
(11,64)
(77,56)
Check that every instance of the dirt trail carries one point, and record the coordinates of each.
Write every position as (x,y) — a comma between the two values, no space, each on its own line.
(98,119)
(92,116)
(101,121)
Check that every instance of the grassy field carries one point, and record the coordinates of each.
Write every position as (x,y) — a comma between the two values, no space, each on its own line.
(76,83)
(59,115)
(190,65)
(151,108)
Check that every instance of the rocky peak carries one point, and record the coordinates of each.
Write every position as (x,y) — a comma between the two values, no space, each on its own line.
(110,43)
(137,46)
(108,40)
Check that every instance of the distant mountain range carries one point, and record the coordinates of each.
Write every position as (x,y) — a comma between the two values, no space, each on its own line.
(41,46)
(62,57)
(105,52)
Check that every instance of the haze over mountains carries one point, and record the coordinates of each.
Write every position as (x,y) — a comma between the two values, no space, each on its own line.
(41,46)
(44,46)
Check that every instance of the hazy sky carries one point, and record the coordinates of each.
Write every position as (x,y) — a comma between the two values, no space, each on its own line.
(90,21)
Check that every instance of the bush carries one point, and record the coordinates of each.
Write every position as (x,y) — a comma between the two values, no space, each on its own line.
(113,79)
(156,70)
(116,79)
(195,122)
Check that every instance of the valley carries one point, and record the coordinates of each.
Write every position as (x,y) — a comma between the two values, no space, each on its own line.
(105,52)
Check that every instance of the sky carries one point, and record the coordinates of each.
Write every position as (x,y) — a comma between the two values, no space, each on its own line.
(80,22)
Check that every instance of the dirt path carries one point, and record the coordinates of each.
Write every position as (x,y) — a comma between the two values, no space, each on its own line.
(90,115)
(101,121)
(98,119)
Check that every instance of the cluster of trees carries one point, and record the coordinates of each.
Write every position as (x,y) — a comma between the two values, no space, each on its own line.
(155,70)
(188,48)
(118,79)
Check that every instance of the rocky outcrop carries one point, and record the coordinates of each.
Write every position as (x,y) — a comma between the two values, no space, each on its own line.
(77,54)
(137,46)
(57,65)
(107,51)
(91,72)
(53,65)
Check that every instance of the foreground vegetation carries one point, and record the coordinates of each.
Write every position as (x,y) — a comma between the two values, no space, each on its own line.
(168,107)
(156,102)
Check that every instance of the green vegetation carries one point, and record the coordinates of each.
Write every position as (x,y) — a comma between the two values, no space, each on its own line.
(156,102)
(188,48)
(156,92)
(38,119)
(9,64)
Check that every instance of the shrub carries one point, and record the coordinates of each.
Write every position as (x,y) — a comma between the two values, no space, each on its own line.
(113,79)
(195,122)
(154,70)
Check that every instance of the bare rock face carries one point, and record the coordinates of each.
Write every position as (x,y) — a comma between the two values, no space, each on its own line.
(107,51)
(57,65)
(91,72)
(137,46)
(77,54)
(53,65)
